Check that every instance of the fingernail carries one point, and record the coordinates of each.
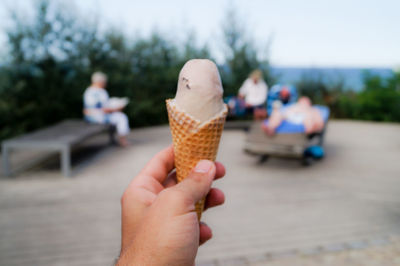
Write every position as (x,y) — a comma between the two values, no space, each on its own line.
(203,166)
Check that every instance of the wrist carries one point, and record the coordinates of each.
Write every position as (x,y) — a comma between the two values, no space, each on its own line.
(133,255)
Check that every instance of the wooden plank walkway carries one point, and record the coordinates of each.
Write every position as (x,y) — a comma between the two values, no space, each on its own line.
(351,199)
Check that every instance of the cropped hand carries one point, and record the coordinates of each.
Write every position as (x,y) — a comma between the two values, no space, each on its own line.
(159,222)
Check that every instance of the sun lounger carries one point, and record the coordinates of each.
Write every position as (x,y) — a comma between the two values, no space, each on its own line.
(290,140)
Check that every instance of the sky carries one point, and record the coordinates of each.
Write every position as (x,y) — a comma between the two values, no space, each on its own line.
(334,33)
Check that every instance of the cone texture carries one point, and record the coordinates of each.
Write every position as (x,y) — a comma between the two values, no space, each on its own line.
(193,141)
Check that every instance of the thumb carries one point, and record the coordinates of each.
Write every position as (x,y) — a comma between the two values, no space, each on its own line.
(198,183)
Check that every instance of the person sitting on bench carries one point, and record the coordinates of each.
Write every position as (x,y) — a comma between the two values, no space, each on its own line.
(301,112)
(96,111)
(254,92)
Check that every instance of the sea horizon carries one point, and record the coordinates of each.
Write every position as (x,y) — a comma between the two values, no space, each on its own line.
(352,77)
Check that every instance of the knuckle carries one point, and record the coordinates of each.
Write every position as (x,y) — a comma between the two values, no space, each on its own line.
(129,195)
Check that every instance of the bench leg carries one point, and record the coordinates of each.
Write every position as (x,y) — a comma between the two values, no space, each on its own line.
(5,151)
(66,161)
(111,135)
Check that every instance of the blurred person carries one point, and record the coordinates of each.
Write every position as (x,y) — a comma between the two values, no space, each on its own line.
(254,92)
(159,221)
(284,95)
(95,110)
(301,112)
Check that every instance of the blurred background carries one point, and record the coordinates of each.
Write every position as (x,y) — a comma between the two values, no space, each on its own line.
(341,54)
(343,210)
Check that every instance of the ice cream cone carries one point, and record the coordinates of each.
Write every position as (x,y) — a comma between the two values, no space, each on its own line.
(193,141)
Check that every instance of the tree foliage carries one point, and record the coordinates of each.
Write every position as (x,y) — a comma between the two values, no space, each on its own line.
(52,56)
(378,101)
(42,79)
(241,54)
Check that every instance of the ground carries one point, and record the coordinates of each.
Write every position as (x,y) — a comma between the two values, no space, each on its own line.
(343,210)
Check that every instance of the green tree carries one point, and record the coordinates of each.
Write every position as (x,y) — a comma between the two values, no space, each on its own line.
(53,56)
(380,100)
(241,55)
(43,84)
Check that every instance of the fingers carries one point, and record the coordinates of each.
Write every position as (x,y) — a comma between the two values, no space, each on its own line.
(161,164)
(198,183)
(220,170)
(171,179)
(214,198)
(205,233)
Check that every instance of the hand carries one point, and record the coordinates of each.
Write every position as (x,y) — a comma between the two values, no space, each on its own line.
(159,222)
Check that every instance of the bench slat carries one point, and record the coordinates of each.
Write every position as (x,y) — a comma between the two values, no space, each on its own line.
(67,132)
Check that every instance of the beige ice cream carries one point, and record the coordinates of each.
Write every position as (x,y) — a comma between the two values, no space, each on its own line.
(199,91)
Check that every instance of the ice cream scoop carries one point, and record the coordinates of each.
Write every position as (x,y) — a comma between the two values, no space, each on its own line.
(199,91)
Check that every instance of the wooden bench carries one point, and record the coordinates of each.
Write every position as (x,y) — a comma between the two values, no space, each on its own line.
(61,137)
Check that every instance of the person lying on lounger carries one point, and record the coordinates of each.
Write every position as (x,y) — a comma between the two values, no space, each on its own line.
(301,112)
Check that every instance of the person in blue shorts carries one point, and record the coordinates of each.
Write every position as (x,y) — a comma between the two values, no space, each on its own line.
(301,113)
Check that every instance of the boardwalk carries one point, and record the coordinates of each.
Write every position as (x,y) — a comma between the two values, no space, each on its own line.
(274,212)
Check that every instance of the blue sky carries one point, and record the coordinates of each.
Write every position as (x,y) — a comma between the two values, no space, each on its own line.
(302,33)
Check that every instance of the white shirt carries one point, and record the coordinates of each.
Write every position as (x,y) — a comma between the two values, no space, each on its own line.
(94,100)
(254,93)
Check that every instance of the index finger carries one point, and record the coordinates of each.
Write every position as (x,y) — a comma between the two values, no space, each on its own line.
(160,165)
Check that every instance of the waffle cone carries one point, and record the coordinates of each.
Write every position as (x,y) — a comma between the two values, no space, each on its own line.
(193,141)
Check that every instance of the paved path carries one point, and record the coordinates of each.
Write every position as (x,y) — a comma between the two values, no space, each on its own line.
(381,254)
(274,212)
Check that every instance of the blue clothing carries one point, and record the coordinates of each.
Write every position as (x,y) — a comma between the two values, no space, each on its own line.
(94,100)
(274,92)
(287,127)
